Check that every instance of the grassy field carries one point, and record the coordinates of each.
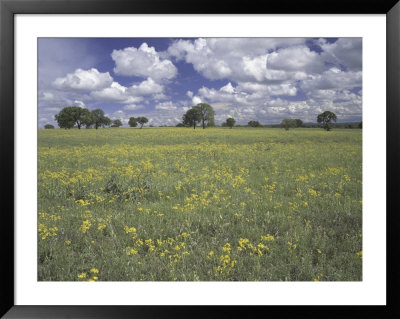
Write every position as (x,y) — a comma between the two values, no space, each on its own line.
(166,204)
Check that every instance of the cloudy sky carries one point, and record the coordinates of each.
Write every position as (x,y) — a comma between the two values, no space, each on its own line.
(264,79)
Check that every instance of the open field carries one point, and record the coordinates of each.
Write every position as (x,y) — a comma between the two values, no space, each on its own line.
(180,204)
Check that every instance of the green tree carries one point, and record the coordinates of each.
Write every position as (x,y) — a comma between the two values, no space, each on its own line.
(142,120)
(326,118)
(132,122)
(99,119)
(360,125)
(211,123)
(88,120)
(192,117)
(254,124)
(106,122)
(298,123)
(288,123)
(206,114)
(70,116)
(230,122)
(116,123)
(48,126)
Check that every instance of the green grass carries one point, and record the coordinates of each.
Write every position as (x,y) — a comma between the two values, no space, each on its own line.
(164,204)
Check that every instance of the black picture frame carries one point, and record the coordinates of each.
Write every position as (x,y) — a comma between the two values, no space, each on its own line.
(8,8)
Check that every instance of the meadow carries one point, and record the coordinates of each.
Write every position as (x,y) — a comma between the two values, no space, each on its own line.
(220,204)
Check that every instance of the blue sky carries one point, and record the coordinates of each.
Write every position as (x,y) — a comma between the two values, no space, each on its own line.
(264,79)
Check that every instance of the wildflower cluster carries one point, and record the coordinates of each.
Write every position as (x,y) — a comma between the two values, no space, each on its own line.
(173,248)
(91,275)
(225,262)
(48,225)
(254,249)
(86,224)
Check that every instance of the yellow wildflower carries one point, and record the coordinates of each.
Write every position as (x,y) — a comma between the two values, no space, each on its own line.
(86,224)
(129,230)
(268,237)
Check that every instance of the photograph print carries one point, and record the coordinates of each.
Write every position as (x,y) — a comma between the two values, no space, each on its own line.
(199,159)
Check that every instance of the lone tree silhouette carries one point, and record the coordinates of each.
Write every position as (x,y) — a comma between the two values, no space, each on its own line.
(230,122)
(206,113)
(142,120)
(192,117)
(70,116)
(288,123)
(254,124)
(326,118)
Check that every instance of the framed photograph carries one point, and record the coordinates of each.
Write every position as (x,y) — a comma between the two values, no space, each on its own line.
(158,155)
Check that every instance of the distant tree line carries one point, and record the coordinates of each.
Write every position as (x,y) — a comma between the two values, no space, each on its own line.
(201,114)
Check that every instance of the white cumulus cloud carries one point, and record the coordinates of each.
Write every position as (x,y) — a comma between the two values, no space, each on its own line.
(236,59)
(79,103)
(166,106)
(130,95)
(114,93)
(297,58)
(144,61)
(196,100)
(83,80)
(146,87)
(333,79)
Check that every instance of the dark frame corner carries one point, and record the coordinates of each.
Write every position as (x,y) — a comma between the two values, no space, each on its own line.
(8,8)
